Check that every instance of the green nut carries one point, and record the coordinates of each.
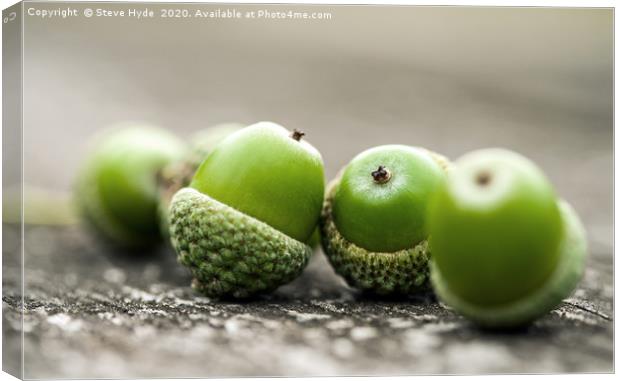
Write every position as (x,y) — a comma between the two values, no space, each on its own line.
(373,226)
(505,249)
(179,174)
(242,225)
(205,141)
(116,190)
(315,238)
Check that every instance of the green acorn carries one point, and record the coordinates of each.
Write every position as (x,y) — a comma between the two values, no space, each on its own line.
(116,190)
(373,223)
(242,225)
(205,141)
(179,174)
(315,238)
(505,249)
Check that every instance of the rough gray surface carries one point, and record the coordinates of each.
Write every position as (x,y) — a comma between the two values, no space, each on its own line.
(91,313)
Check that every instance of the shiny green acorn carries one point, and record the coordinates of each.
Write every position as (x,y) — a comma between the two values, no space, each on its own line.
(373,224)
(505,249)
(205,141)
(179,173)
(242,224)
(116,190)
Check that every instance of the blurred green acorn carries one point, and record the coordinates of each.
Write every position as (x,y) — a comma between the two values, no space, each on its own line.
(505,249)
(315,238)
(373,223)
(242,225)
(116,190)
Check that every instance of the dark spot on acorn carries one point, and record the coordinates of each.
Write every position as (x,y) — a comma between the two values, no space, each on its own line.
(483,178)
(297,134)
(382,175)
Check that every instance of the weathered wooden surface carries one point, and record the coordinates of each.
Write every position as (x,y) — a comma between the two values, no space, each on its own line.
(450,79)
(92,313)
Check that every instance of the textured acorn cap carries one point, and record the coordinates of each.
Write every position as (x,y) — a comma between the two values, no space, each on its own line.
(401,272)
(558,286)
(229,253)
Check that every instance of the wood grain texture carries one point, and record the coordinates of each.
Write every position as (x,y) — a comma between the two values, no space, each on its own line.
(90,312)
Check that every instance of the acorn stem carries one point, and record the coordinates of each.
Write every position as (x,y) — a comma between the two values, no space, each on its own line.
(382,175)
(483,178)
(297,134)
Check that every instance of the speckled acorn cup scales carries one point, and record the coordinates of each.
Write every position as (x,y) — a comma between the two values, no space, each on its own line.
(229,253)
(398,273)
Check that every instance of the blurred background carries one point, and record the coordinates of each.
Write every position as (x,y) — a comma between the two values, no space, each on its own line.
(452,79)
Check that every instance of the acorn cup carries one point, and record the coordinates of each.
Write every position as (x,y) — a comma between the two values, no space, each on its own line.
(505,249)
(116,190)
(373,222)
(241,225)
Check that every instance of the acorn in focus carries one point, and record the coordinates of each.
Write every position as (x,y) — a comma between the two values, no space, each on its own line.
(116,191)
(373,222)
(506,250)
(178,174)
(242,225)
